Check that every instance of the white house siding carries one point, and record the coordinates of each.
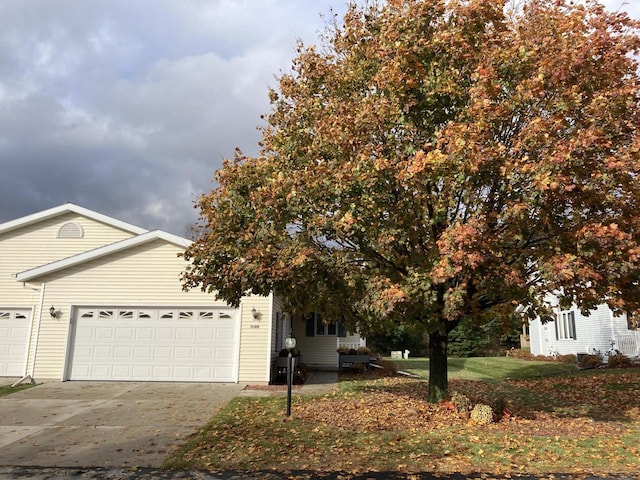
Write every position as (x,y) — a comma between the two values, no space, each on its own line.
(146,275)
(593,332)
(319,351)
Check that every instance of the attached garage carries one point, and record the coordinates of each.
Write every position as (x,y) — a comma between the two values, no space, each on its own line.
(101,299)
(154,344)
(15,325)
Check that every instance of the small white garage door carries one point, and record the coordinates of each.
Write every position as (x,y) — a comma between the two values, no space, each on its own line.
(14,338)
(146,344)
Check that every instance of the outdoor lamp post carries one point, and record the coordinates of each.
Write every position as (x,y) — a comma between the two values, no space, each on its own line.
(289,344)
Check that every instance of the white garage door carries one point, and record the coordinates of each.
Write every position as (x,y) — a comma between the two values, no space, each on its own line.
(189,345)
(14,337)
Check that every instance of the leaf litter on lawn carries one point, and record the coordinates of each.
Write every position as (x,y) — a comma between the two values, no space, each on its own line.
(586,423)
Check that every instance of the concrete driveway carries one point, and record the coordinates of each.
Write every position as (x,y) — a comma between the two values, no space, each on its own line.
(104,424)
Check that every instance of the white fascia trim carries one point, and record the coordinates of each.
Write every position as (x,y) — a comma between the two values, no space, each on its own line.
(96,253)
(69,208)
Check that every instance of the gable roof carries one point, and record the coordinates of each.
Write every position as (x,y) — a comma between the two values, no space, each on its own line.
(96,253)
(69,208)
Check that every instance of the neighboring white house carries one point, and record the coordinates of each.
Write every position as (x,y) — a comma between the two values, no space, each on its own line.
(571,332)
(84,296)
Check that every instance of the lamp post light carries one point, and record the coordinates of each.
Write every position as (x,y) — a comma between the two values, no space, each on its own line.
(289,344)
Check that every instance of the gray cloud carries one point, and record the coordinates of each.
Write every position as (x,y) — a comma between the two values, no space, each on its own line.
(129,107)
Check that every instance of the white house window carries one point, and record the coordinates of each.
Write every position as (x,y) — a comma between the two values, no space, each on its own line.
(566,326)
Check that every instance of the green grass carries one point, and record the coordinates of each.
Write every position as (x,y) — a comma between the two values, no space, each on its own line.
(7,389)
(489,368)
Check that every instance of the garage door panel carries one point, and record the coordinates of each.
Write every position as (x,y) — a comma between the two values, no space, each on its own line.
(183,353)
(101,352)
(15,325)
(161,372)
(185,334)
(141,371)
(103,333)
(101,371)
(201,353)
(124,333)
(222,371)
(120,371)
(161,345)
(17,350)
(120,353)
(223,352)
(160,353)
(163,333)
(143,352)
(225,334)
(144,333)
(205,334)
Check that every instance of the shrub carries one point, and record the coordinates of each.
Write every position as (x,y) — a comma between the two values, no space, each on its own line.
(389,366)
(343,350)
(568,358)
(364,351)
(498,405)
(482,414)
(618,360)
(590,361)
(461,402)
(521,354)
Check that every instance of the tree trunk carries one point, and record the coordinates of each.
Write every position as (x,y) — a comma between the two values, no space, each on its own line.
(438,375)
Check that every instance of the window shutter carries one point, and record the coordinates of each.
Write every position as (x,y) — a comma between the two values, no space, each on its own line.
(310,327)
(555,323)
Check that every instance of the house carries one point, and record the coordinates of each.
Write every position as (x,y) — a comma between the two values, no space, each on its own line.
(568,331)
(84,296)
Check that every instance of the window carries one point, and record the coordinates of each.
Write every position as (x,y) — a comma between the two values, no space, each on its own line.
(316,327)
(566,326)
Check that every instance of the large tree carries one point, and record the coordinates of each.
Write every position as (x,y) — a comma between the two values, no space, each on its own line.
(437,160)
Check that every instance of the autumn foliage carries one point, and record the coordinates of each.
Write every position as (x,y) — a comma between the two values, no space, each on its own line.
(576,426)
(437,160)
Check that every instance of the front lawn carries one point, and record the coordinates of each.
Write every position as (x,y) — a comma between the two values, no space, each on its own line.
(577,422)
(489,368)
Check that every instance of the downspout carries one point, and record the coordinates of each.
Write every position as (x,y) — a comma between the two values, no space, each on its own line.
(29,376)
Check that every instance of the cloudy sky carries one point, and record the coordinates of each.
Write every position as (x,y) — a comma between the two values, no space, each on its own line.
(127,107)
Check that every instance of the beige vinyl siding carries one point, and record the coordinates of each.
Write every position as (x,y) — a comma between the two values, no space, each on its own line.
(146,275)
(254,340)
(37,244)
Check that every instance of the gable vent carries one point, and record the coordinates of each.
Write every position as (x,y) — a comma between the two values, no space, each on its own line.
(70,230)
